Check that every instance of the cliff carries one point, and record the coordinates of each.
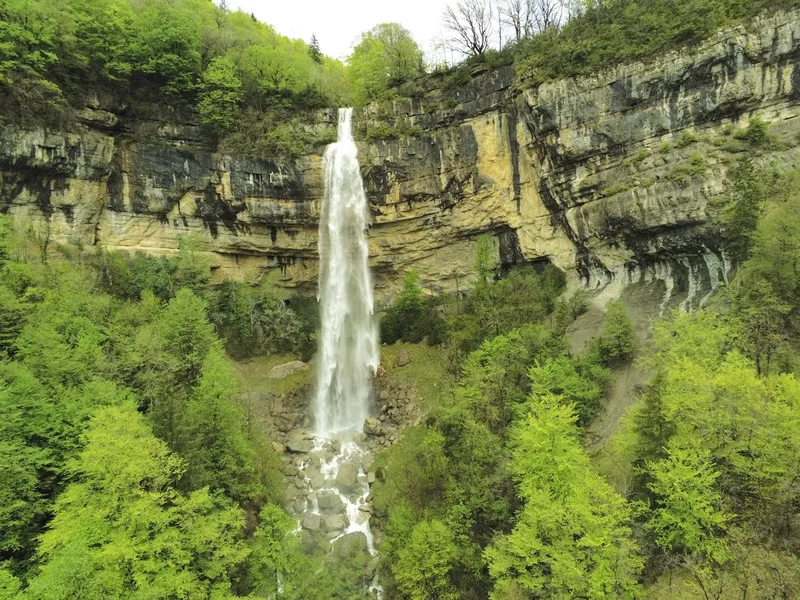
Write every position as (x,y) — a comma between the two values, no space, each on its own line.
(615,178)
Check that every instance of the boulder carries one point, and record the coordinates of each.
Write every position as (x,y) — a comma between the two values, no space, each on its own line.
(371,477)
(330,502)
(372,427)
(316,480)
(347,477)
(311,522)
(332,523)
(402,359)
(299,446)
(351,544)
(286,369)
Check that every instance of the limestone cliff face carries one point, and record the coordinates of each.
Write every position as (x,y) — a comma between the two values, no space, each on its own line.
(614,178)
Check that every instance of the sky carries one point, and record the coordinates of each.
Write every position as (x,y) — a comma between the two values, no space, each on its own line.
(338,23)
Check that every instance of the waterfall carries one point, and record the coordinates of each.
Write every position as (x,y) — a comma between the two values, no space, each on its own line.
(348,343)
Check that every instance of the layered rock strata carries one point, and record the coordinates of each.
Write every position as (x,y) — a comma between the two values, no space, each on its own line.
(615,178)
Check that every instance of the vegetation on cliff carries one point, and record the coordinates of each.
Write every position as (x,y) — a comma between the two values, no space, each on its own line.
(251,86)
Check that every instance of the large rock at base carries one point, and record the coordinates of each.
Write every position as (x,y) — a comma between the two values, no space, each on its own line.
(351,545)
(372,427)
(402,358)
(299,442)
(347,477)
(311,522)
(333,523)
(299,446)
(286,369)
(330,502)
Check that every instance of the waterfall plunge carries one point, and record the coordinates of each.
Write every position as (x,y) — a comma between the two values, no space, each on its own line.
(348,354)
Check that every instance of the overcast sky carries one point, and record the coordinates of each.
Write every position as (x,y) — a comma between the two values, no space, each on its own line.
(338,23)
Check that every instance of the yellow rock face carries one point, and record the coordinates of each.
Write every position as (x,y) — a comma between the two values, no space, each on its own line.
(613,178)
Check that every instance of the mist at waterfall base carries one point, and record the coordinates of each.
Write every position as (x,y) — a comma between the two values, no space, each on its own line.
(348,354)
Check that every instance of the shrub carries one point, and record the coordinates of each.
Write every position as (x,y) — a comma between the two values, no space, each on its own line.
(411,318)
(617,341)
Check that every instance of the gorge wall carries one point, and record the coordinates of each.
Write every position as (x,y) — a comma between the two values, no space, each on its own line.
(615,178)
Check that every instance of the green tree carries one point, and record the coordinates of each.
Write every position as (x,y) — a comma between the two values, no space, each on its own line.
(485,260)
(166,45)
(424,563)
(121,527)
(313,50)
(385,56)
(220,95)
(688,516)
(216,449)
(617,341)
(103,40)
(571,539)
(752,186)
(29,39)
(580,383)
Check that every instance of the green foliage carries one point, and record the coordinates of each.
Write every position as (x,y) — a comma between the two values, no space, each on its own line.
(688,516)
(220,95)
(423,565)
(712,439)
(617,341)
(766,288)
(579,382)
(385,56)
(104,37)
(521,297)
(741,216)
(389,132)
(605,33)
(756,134)
(485,259)
(219,455)
(152,538)
(166,45)
(254,320)
(113,511)
(411,318)
(571,539)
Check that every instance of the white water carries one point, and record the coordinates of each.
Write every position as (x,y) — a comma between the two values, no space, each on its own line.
(348,355)
(348,344)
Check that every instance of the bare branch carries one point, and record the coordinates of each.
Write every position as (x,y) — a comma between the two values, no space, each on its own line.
(470,24)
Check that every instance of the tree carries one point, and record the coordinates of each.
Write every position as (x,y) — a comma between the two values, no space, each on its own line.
(423,565)
(485,259)
(167,46)
(688,516)
(545,14)
(516,14)
(617,341)
(313,50)
(471,25)
(121,527)
(385,56)
(217,452)
(220,95)
(105,30)
(571,539)
(741,216)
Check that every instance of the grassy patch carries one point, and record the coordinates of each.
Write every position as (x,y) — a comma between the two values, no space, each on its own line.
(390,132)
(426,371)
(617,188)
(685,172)
(687,139)
(252,374)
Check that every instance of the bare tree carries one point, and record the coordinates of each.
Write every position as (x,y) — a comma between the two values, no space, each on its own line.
(470,24)
(517,15)
(545,13)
